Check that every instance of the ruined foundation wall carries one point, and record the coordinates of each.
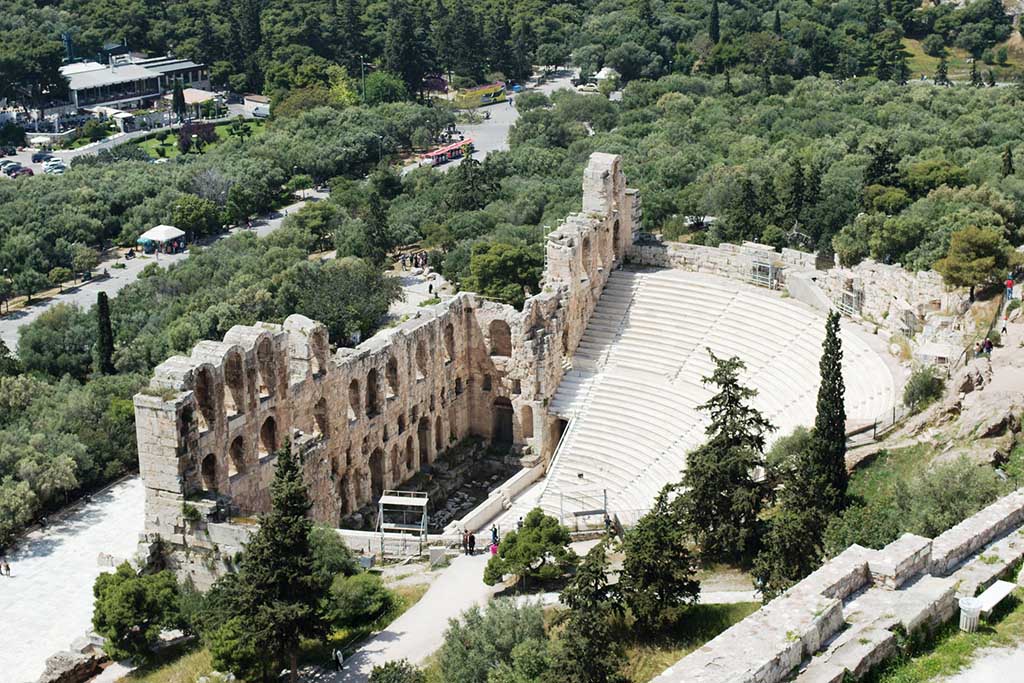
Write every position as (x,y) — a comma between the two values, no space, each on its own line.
(365,419)
(909,586)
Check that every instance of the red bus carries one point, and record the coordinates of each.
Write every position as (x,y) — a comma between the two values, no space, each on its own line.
(443,155)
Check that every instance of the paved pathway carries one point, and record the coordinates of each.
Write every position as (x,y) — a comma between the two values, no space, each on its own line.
(85,295)
(491,135)
(419,632)
(47,602)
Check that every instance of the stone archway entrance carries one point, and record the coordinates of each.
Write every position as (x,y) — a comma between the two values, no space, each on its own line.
(423,437)
(503,416)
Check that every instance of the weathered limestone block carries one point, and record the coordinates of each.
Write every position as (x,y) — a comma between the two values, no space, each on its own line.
(952,547)
(71,667)
(902,559)
(992,563)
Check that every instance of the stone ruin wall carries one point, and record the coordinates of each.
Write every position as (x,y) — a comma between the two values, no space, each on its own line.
(365,419)
(852,613)
(726,260)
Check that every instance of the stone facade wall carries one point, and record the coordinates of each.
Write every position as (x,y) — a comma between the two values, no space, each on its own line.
(843,619)
(726,260)
(365,419)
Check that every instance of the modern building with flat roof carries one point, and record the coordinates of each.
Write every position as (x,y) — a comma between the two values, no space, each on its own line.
(130,81)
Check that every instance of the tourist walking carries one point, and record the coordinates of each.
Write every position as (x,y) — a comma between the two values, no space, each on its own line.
(339,659)
(494,535)
(6,568)
(472,544)
(519,524)
(465,543)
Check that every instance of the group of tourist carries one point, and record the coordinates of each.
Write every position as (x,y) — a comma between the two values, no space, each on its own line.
(469,541)
(5,569)
(417,260)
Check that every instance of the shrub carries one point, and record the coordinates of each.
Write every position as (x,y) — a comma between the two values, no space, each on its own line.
(484,639)
(359,599)
(330,555)
(995,338)
(397,672)
(988,57)
(1012,306)
(1002,55)
(923,387)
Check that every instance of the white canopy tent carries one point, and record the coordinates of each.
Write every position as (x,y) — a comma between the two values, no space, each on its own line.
(161,234)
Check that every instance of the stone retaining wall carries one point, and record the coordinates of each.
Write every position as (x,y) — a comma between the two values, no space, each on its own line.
(726,260)
(841,621)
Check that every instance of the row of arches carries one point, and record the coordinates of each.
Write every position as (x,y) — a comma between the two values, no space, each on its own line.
(233,395)
(238,460)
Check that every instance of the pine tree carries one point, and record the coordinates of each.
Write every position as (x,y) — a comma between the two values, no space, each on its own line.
(277,593)
(658,571)
(792,549)
(942,72)
(829,460)
(874,19)
(990,79)
(777,24)
(1007,161)
(402,49)
(714,29)
(352,43)
(722,501)
(728,82)
(105,336)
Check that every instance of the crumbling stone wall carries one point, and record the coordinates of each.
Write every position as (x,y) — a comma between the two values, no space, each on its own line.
(734,261)
(846,617)
(365,419)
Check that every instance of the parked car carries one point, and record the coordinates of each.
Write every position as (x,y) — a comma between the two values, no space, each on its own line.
(53,162)
(55,169)
(8,150)
(4,163)
(41,156)
(11,169)
(20,171)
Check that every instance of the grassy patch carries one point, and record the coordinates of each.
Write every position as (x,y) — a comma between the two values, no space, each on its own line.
(951,649)
(958,62)
(170,144)
(649,655)
(179,668)
(875,482)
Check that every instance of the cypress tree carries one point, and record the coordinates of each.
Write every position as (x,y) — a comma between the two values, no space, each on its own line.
(178,101)
(942,72)
(777,24)
(1007,161)
(722,501)
(975,76)
(829,461)
(105,336)
(277,592)
(714,29)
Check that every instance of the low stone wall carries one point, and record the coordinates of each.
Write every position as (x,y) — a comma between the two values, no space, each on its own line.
(726,260)
(842,620)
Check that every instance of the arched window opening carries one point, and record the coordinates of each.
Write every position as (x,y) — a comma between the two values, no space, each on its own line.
(586,254)
(458,386)
(452,417)
(401,423)
(526,421)
(410,455)
(503,416)
(354,403)
(433,403)
(449,342)
(204,398)
(236,457)
(268,371)
(421,361)
(396,464)
(268,437)
(318,353)
(517,387)
(423,436)
(487,383)
(320,422)
(371,393)
(187,415)
(234,378)
(392,376)
(438,435)
(501,338)
(377,473)
(208,470)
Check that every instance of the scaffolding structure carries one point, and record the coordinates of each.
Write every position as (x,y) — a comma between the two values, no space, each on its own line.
(405,513)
